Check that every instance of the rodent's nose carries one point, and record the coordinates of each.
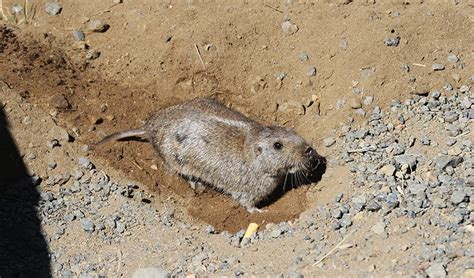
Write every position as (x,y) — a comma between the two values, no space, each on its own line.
(310,151)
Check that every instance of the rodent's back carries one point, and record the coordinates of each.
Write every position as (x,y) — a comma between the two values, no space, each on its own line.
(202,133)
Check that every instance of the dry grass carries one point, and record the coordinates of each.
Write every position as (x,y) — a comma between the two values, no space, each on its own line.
(16,19)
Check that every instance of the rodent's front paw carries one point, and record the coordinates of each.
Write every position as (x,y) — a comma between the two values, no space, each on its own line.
(255,209)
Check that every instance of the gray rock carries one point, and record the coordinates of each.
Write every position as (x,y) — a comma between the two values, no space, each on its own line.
(93,54)
(451,141)
(343,44)
(97,25)
(444,161)
(210,230)
(53,143)
(289,28)
(464,89)
(448,87)
(280,75)
(78,35)
(436,270)
(368,100)
(294,274)
(150,272)
(53,8)
(378,228)
(85,163)
(120,227)
(336,213)
(311,71)
(458,196)
(329,141)
(276,232)
(425,140)
(87,225)
(392,41)
(373,206)
(388,170)
(346,220)
(437,67)
(453,58)
(303,57)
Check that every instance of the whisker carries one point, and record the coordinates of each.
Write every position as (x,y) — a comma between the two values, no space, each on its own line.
(284,183)
(292,181)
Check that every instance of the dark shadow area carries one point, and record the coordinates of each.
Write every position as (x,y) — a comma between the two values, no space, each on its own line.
(23,249)
(296,180)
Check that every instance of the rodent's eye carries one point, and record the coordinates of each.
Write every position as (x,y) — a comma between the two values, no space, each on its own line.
(277,146)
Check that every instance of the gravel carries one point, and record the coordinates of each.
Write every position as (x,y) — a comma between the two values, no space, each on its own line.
(150,272)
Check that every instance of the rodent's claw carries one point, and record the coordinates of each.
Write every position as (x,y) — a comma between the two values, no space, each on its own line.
(255,209)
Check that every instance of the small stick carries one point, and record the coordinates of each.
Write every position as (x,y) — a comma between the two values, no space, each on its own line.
(119,264)
(363,150)
(273,8)
(105,11)
(334,248)
(136,164)
(199,55)
(420,65)
(462,134)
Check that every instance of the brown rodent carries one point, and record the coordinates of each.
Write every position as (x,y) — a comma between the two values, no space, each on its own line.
(205,141)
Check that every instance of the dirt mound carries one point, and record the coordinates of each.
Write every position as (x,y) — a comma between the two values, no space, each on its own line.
(94,106)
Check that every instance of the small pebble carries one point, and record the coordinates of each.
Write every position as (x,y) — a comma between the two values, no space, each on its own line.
(425,140)
(150,272)
(393,42)
(303,57)
(437,67)
(97,25)
(311,71)
(87,225)
(453,58)
(280,75)
(85,163)
(289,28)
(329,141)
(436,270)
(343,44)
(53,8)
(78,35)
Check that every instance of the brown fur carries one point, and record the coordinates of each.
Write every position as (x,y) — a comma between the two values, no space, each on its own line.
(206,141)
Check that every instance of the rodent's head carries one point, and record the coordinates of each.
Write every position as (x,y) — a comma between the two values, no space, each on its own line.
(281,151)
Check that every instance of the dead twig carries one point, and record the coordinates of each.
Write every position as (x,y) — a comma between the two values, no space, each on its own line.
(334,248)
(420,65)
(462,134)
(199,55)
(105,11)
(273,8)
(363,150)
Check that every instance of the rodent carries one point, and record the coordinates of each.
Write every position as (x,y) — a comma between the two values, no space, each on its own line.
(205,141)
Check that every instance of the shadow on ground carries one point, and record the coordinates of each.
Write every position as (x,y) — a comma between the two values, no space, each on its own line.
(23,249)
(293,181)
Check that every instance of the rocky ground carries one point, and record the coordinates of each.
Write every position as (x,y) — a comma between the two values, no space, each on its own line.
(391,110)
